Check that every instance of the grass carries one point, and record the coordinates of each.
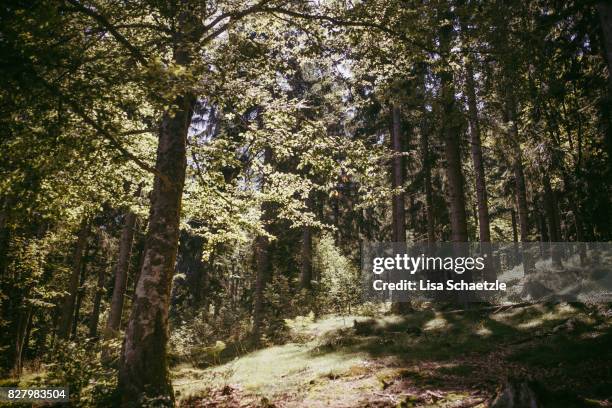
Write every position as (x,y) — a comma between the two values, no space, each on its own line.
(426,358)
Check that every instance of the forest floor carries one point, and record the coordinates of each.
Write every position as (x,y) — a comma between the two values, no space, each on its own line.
(423,359)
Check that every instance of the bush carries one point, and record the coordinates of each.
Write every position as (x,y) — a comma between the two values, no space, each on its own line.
(340,286)
(90,370)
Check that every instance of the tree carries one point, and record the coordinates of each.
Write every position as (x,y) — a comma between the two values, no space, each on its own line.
(67,311)
(121,274)
(398,202)
(451,131)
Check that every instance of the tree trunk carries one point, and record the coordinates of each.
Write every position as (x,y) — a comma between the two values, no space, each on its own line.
(519,177)
(262,261)
(579,232)
(306,275)
(67,312)
(398,203)
(426,159)
(94,318)
(605,17)
(521,198)
(80,295)
(552,219)
(543,228)
(451,132)
(476,147)
(515,236)
(4,234)
(549,208)
(604,9)
(456,196)
(143,370)
(121,274)
(24,321)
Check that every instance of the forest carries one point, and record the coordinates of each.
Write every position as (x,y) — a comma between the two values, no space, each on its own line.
(188,189)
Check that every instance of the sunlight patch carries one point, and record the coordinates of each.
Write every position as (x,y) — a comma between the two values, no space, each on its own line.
(438,322)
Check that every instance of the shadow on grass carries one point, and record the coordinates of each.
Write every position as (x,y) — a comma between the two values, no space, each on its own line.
(562,349)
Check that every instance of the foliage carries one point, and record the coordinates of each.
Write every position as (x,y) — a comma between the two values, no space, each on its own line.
(89,369)
(340,281)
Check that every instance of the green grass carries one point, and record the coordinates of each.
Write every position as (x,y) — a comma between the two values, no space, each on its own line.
(462,356)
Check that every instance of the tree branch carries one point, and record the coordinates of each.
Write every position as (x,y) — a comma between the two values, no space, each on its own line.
(103,21)
(233,16)
(76,108)
(349,23)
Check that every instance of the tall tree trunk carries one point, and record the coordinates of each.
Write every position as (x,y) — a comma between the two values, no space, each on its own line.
(143,369)
(521,198)
(477,158)
(4,234)
(426,160)
(543,228)
(451,132)
(579,232)
(306,272)
(80,295)
(456,196)
(519,177)
(67,312)
(262,265)
(604,8)
(552,218)
(398,203)
(549,208)
(94,318)
(605,17)
(262,260)
(515,235)
(429,207)
(24,322)
(121,274)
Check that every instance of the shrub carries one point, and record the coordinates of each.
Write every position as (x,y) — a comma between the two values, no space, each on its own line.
(89,369)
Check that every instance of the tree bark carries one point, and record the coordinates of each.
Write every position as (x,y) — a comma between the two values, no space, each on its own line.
(398,202)
(121,274)
(143,370)
(451,132)
(67,312)
(456,196)
(477,158)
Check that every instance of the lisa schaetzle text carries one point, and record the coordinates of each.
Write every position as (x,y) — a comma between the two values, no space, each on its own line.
(406,264)
(493,272)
